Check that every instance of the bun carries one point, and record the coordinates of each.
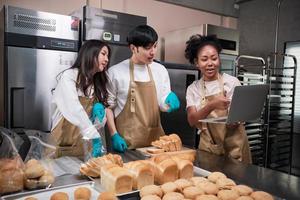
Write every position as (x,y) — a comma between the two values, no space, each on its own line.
(34,169)
(151,190)
(244,198)
(182,183)
(225,183)
(260,195)
(82,193)
(191,192)
(107,196)
(214,176)
(59,196)
(142,174)
(30,198)
(197,179)
(169,187)
(151,197)
(207,197)
(243,190)
(116,179)
(227,195)
(173,196)
(208,187)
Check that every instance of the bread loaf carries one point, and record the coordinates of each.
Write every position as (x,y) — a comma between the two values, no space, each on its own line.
(185,168)
(168,143)
(116,179)
(166,170)
(142,174)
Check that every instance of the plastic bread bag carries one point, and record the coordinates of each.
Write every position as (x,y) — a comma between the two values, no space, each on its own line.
(96,146)
(11,164)
(39,161)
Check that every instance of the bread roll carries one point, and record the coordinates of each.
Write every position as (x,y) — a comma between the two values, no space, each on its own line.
(207,197)
(185,168)
(169,187)
(151,190)
(225,183)
(214,176)
(59,196)
(34,169)
(244,198)
(30,198)
(142,174)
(208,187)
(261,195)
(183,183)
(151,197)
(82,193)
(173,196)
(116,179)
(198,179)
(227,195)
(107,196)
(191,192)
(243,190)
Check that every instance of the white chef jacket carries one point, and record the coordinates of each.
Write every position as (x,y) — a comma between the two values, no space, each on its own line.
(65,103)
(119,78)
(194,95)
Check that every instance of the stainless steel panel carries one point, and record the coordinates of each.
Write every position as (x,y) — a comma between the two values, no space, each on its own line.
(31,22)
(36,71)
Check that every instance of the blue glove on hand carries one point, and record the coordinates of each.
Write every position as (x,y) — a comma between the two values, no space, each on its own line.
(98,112)
(97,147)
(172,101)
(118,143)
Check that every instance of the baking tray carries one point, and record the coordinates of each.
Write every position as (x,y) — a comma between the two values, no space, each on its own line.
(46,193)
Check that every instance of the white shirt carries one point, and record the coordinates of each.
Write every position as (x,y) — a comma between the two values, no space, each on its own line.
(119,78)
(65,103)
(194,95)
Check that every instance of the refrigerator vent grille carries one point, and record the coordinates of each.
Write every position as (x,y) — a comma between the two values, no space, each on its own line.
(33,22)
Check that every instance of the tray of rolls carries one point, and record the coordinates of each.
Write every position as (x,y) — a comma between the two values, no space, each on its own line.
(84,190)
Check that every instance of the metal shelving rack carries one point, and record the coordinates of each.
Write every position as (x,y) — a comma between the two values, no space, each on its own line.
(256,129)
(280,112)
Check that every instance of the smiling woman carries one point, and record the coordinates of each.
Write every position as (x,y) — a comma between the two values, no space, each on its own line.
(210,97)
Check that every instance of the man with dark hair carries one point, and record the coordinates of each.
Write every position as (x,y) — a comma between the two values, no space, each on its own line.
(138,89)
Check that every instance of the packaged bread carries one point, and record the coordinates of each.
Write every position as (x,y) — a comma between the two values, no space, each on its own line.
(34,169)
(142,174)
(116,179)
(185,168)
(11,175)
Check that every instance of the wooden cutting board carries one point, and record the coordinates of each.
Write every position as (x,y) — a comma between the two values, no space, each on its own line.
(184,153)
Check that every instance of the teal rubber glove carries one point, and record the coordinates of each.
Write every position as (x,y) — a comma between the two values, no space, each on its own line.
(97,147)
(172,101)
(118,143)
(98,112)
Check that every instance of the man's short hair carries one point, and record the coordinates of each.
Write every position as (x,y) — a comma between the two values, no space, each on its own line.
(142,35)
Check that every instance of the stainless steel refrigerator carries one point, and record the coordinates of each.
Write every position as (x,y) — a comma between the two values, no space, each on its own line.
(35,48)
(110,26)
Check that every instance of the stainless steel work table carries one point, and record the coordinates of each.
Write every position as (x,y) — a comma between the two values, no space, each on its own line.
(277,183)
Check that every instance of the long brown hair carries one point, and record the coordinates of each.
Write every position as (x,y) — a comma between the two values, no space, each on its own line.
(86,61)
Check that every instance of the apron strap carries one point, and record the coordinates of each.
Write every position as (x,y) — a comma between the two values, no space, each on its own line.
(132,88)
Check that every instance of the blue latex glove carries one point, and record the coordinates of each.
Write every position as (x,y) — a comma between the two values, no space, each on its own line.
(118,143)
(98,112)
(172,101)
(97,147)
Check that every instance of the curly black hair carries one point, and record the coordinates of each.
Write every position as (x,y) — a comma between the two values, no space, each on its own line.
(196,42)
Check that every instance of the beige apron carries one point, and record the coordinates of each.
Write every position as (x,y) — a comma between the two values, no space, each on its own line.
(218,138)
(139,121)
(67,136)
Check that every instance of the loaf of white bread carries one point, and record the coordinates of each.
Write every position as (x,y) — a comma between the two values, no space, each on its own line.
(116,179)
(168,143)
(142,173)
(93,166)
